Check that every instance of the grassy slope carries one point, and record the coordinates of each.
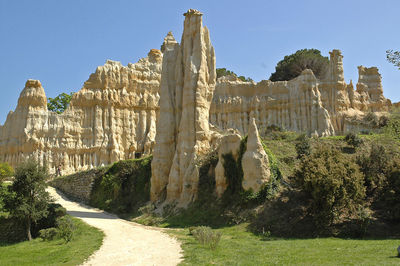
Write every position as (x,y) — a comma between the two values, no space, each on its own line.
(86,240)
(239,247)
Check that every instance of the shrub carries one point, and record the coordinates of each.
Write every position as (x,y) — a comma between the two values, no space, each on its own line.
(5,171)
(375,167)
(333,184)
(353,140)
(66,228)
(48,234)
(206,236)
(303,146)
(124,187)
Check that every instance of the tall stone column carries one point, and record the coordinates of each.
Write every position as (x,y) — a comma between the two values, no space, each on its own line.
(185,100)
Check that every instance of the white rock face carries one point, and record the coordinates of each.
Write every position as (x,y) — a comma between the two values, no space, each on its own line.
(255,161)
(228,144)
(116,114)
(111,118)
(188,82)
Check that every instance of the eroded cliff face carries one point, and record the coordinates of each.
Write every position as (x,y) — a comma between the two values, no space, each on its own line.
(293,105)
(111,118)
(187,86)
(170,104)
(303,104)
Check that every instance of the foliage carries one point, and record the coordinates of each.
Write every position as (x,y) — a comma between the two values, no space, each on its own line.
(86,240)
(60,103)
(333,184)
(28,199)
(292,65)
(124,187)
(5,171)
(375,167)
(303,146)
(392,127)
(48,234)
(206,236)
(225,72)
(65,227)
(353,140)
(393,57)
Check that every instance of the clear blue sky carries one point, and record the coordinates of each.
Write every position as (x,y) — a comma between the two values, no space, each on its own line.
(62,42)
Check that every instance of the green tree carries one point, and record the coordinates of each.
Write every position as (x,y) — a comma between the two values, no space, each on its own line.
(225,72)
(393,57)
(5,171)
(59,103)
(292,65)
(333,184)
(28,199)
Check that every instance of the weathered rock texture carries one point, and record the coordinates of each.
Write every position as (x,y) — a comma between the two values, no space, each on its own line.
(111,118)
(255,161)
(114,116)
(187,85)
(306,104)
(229,144)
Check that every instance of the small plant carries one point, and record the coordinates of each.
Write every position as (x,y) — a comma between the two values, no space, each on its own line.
(364,218)
(206,236)
(265,234)
(48,234)
(303,146)
(66,228)
(353,140)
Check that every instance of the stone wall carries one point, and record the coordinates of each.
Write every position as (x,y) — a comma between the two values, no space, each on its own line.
(79,185)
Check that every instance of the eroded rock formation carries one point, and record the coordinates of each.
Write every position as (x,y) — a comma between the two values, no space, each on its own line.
(255,161)
(111,118)
(116,114)
(187,85)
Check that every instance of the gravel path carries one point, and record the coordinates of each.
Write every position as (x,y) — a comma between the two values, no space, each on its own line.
(125,243)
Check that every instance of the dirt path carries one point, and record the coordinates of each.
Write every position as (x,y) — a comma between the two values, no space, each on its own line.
(125,243)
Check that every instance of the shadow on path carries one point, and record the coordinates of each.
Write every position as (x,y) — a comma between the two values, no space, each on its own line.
(98,215)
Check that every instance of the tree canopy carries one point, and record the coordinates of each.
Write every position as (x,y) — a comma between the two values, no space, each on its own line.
(59,103)
(5,171)
(28,199)
(225,72)
(393,57)
(292,65)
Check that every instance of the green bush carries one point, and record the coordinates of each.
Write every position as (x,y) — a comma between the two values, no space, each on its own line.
(375,167)
(124,187)
(353,140)
(303,146)
(333,184)
(5,171)
(66,228)
(48,234)
(206,236)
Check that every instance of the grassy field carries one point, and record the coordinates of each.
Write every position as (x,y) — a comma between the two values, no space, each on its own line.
(239,247)
(86,240)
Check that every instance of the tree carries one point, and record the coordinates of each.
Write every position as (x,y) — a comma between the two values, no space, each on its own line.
(59,103)
(292,65)
(225,72)
(28,199)
(393,57)
(333,184)
(5,171)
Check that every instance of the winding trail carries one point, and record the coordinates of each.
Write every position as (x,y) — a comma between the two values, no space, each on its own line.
(125,243)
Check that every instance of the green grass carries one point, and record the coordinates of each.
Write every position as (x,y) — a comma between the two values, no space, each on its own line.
(85,241)
(240,247)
